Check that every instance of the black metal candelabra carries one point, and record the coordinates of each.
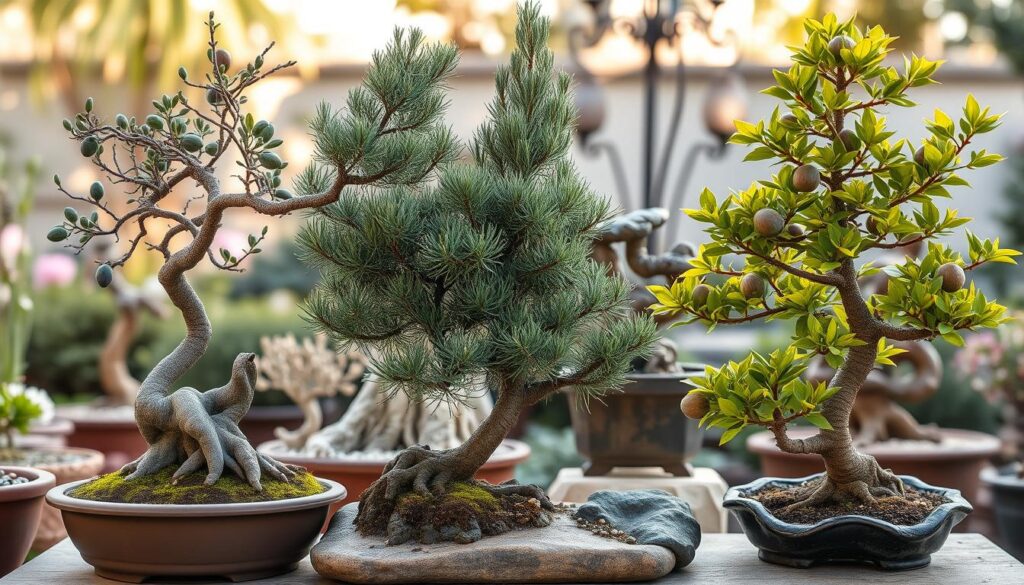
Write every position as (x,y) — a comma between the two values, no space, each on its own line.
(660,22)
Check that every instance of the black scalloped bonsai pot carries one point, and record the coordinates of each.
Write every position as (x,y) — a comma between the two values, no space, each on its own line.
(238,541)
(848,538)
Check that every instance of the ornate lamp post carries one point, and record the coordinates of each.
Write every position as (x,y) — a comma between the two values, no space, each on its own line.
(660,23)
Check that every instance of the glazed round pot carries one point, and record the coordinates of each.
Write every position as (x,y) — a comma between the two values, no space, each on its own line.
(955,462)
(844,539)
(639,426)
(239,542)
(109,430)
(357,474)
(20,508)
(1008,506)
(259,423)
(81,464)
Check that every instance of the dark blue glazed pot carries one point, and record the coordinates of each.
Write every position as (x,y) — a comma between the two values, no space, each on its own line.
(851,538)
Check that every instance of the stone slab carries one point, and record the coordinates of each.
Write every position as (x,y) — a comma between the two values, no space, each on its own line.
(704,490)
(722,558)
(559,553)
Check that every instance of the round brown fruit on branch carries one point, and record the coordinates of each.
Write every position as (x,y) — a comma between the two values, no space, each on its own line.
(806,178)
(953,277)
(223,58)
(849,139)
(795,230)
(838,43)
(694,405)
(213,96)
(752,286)
(768,222)
(919,157)
(873,225)
(789,121)
(699,296)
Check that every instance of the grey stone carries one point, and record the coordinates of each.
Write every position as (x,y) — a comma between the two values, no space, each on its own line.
(560,552)
(650,516)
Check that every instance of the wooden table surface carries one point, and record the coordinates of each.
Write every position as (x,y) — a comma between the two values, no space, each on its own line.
(966,559)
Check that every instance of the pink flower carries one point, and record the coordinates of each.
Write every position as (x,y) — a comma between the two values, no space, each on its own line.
(12,243)
(53,270)
(231,240)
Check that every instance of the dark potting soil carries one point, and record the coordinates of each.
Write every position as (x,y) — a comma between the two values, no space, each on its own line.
(902,511)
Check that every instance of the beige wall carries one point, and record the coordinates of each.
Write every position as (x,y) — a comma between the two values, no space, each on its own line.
(37,129)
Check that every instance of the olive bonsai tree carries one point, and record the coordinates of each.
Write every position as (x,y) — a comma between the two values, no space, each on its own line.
(389,135)
(845,187)
(480,279)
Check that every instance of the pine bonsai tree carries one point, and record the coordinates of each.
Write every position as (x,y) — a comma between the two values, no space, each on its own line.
(480,279)
(845,187)
(389,136)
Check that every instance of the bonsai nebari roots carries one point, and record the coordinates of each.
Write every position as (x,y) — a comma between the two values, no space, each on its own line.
(196,429)
(429,472)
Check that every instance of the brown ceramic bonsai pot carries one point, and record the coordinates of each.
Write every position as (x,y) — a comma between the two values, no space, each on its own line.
(639,426)
(20,508)
(239,542)
(1008,506)
(954,463)
(109,430)
(356,474)
(259,423)
(53,434)
(70,464)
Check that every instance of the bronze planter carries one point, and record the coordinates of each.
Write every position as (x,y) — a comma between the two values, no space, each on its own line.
(239,542)
(641,426)
(21,506)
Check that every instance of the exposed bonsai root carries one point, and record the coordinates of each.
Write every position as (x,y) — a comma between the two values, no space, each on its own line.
(427,474)
(200,429)
(378,422)
(465,512)
(870,482)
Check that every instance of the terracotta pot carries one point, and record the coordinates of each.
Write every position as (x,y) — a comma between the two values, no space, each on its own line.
(240,542)
(259,423)
(20,508)
(111,431)
(956,466)
(1008,506)
(51,527)
(358,474)
(844,539)
(51,435)
(641,426)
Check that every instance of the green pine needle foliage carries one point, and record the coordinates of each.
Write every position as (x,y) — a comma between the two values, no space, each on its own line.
(458,272)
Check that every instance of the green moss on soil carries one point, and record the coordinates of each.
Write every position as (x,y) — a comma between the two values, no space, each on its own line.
(465,503)
(157,489)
